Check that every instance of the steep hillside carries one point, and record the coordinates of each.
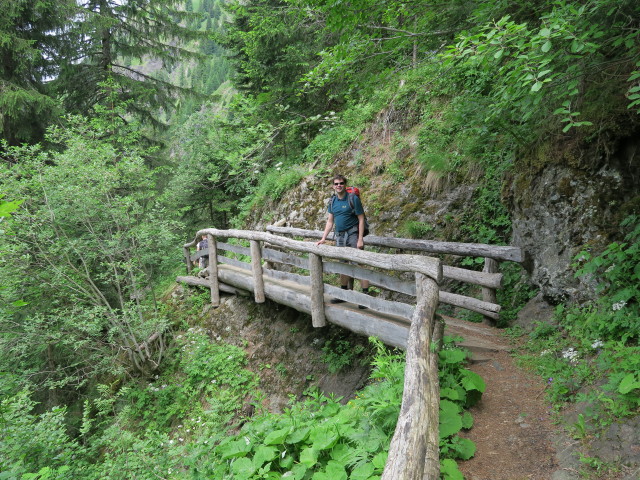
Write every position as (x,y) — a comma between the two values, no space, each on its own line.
(568,194)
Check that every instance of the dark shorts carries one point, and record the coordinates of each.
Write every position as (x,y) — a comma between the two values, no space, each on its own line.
(348,238)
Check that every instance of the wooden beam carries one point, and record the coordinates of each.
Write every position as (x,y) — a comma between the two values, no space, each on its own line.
(497,252)
(256,269)
(317,291)
(411,456)
(213,270)
(203,282)
(187,259)
(484,308)
(390,330)
(489,294)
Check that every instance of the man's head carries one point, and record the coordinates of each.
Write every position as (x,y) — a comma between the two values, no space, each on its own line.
(339,183)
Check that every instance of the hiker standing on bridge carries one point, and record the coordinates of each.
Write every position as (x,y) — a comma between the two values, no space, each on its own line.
(346,212)
(203,261)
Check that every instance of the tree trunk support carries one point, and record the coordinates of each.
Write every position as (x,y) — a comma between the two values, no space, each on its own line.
(489,294)
(256,268)
(414,449)
(213,270)
(317,291)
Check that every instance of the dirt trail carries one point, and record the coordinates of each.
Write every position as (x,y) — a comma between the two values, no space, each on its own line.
(513,429)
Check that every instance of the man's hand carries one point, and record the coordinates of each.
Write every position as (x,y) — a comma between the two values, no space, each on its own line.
(321,241)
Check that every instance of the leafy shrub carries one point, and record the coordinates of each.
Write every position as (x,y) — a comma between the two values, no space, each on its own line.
(338,354)
(320,436)
(35,444)
(617,271)
(214,375)
(414,229)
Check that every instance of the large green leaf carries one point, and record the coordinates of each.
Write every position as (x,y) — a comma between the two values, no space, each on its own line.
(628,384)
(449,470)
(362,472)
(238,448)
(323,438)
(277,437)
(472,381)
(309,457)
(464,448)
(336,471)
(298,435)
(264,454)
(452,356)
(450,419)
(243,468)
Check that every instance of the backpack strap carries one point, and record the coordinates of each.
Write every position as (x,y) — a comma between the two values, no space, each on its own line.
(351,202)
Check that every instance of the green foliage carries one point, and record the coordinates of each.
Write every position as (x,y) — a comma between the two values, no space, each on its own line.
(414,229)
(273,185)
(100,49)
(526,69)
(374,38)
(515,292)
(214,375)
(617,272)
(339,354)
(35,445)
(596,342)
(323,438)
(28,37)
(328,144)
(488,221)
(83,252)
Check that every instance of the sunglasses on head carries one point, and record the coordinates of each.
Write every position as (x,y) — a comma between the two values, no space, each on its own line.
(338,183)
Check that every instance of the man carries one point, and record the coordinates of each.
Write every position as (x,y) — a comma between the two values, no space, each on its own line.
(349,223)
(203,262)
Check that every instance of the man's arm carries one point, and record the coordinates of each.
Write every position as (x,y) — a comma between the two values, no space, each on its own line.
(328,227)
(360,243)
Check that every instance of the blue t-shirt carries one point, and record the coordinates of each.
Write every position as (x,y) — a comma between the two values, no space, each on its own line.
(345,217)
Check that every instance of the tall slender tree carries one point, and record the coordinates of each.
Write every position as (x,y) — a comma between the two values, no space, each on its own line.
(29,36)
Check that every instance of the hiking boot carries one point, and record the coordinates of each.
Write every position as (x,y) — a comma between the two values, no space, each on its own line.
(362,307)
(336,300)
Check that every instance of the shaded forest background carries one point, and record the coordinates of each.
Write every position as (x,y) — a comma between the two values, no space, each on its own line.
(127,125)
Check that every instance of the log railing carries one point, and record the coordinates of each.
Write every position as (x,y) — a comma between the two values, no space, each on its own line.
(489,279)
(414,449)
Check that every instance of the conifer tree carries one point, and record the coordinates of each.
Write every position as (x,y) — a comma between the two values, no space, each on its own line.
(109,35)
(28,36)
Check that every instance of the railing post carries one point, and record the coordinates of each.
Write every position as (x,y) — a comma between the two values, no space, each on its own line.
(187,258)
(256,268)
(414,448)
(489,294)
(318,318)
(213,270)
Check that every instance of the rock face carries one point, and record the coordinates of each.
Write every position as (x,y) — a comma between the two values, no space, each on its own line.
(559,209)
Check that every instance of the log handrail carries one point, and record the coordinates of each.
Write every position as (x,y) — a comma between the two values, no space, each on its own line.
(400,262)
(497,252)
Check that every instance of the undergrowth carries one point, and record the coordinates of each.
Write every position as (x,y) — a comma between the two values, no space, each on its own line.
(185,422)
(592,354)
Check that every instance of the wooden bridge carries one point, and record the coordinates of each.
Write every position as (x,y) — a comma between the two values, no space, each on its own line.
(271,265)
